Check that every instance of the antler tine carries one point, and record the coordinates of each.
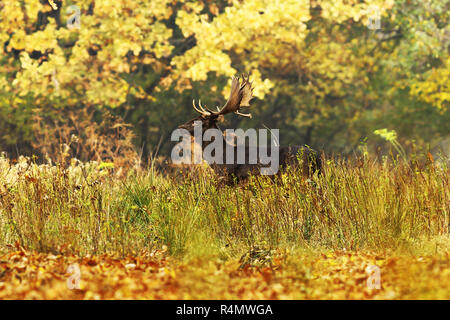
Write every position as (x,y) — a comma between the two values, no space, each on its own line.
(245,79)
(195,108)
(248,115)
(200,106)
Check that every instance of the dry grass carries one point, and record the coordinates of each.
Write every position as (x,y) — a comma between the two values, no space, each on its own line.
(359,208)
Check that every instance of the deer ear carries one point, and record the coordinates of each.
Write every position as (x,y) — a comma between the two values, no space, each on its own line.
(220,118)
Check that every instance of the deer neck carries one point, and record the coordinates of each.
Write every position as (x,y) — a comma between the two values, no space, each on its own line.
(223,143)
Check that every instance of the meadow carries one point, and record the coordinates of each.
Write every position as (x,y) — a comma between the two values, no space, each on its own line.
(144,233)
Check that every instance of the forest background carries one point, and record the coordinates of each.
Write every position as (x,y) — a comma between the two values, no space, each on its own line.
(106,78)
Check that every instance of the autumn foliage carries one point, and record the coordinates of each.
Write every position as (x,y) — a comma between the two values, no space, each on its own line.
(320,71)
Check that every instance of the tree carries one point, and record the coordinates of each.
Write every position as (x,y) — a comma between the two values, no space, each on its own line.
(321,75)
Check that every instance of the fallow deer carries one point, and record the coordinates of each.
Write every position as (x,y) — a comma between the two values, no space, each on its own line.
(240,96)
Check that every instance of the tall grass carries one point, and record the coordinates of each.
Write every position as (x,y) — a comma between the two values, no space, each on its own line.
(353,204)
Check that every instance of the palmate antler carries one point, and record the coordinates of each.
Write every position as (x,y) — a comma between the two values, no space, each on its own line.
(240,96)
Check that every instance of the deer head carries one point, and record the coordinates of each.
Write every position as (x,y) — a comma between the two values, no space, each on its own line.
(240,96)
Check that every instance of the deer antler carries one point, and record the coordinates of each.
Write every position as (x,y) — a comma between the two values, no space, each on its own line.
(240,96)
